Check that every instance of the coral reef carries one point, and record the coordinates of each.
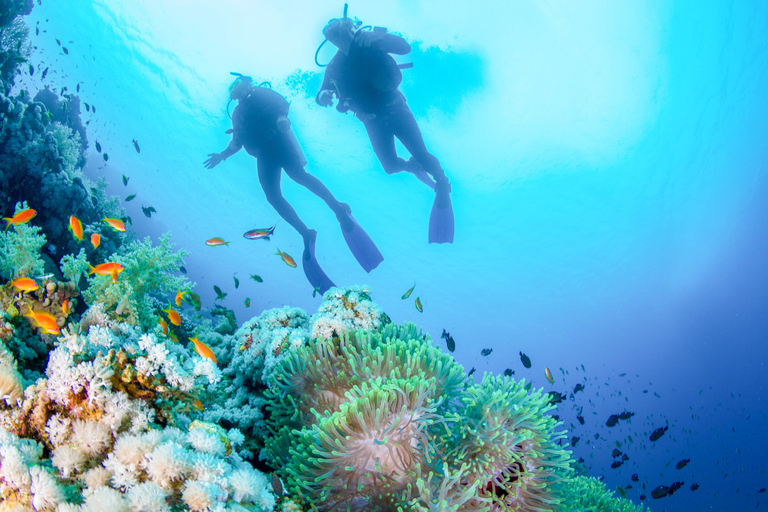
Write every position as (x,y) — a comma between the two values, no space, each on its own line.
(346,309)
(587,493)
(375,419)
(20,249)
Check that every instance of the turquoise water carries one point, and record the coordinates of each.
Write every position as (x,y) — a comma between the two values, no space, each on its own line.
(608,165)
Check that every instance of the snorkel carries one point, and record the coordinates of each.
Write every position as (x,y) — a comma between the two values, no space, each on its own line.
(356,25)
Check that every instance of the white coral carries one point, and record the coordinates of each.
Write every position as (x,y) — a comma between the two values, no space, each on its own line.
(46,493)
(148,497)
(166,464)
(105,499)
(91,437)
(68,460)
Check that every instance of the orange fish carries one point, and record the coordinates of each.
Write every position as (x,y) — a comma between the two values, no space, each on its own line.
(105,269)
(173,315)
(20,218)
(287,259)
(66,307)
(203,349)
(548,374)
(197,404)
(116,224)
(180,297)
(164,325)
(213,242)
(95,240)
(45,321)
(24,284)
(76,227)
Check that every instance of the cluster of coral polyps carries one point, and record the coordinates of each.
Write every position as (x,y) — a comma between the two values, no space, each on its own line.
(97,433)
(57,299)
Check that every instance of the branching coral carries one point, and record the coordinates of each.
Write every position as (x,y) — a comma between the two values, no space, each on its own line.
(148,270)
(20,249)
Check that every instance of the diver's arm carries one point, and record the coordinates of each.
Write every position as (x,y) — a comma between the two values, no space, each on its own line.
(380,39)
(324,96)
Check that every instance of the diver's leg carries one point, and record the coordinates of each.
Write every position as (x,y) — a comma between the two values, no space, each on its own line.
(383,143)
(407,130)
(314,185)
(269,178)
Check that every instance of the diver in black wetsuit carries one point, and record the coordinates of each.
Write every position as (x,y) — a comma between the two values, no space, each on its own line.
(365,78)
(260,124)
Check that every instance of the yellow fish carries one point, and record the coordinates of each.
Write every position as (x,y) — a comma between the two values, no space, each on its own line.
(173,315)
(180,297)
(418,305)
(43,320)
(548,375)
(95,240)
(106,269)
(20,218)
(164,325)
(76,227)
(116,224)
(287,259)
(408,293)
(24,284)
(213,242)
(203,349)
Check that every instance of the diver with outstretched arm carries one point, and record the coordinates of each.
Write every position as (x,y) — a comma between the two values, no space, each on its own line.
(260,124)
(365,79)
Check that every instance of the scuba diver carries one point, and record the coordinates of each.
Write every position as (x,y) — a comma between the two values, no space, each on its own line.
(365,79)
(260,124)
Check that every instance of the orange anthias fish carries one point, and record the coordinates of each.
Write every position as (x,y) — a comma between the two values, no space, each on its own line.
(213,242)
(107,269)
(24,284)
(116,224)
(173,315)
(287,259)
(66,307)
(203,349)
(180,297)
(548,375)
(95,240)
(20,218)
(197,404)
(45,321)
(164,325)
(76,227)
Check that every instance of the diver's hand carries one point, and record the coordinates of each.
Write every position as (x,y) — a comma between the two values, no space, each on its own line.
(325,98)
(283,124)
(214,160)
(366,38)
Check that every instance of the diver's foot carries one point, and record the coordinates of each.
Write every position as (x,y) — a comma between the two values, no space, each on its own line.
(417,170)
(442,192)
(309,244)
(344,216)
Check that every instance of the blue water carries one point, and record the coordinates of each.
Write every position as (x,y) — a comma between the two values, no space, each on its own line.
(609,170)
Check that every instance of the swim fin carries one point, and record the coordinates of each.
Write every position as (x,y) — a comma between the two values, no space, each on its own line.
(312,270)
(441,217)
(417,170)
(364,250)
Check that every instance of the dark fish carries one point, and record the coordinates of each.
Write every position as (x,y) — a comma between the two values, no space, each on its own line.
(613,420)
(642,497)
(695,486)
(93,107)
(148,211)
(555,397)
(616,453)
(237,282)
(761,491)
(277,485)
(635,478)
(58,42)
(219,294)
(259,233)
(675,486)
(130,198)
(526,360)
(574,440)
(682,463)
(125,180)
(98,146)
(486,352)
(88,109)
(64,49)
(471,371)
(105,157)
(182,270)
(78,87)
(580,418)
(622,492)
(658,433)
(247,302)
(37,31)
(256,278)
(626,415)
(136,145)
(617,463)
(579,387)
(624,457)
(528,386)
(45,72)
(31,70)
(509,372)
(195,300)
(448,341)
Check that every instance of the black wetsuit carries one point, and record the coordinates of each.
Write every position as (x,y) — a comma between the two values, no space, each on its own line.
(366,81)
